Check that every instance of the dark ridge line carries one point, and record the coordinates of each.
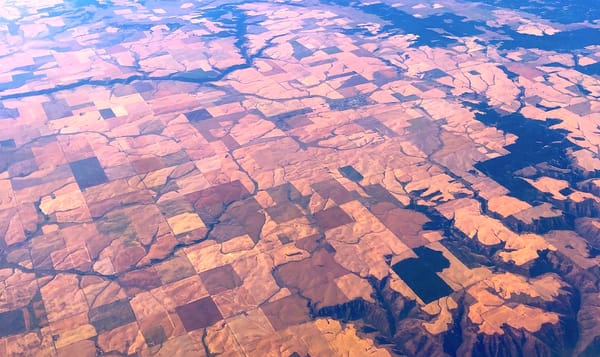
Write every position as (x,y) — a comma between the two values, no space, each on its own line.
(109,82)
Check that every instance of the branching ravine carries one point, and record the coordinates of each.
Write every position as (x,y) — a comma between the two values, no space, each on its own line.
(146,76)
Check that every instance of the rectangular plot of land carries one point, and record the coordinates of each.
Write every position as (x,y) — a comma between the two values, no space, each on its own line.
(285,193)
(88,172)
(57,109)
(374,124)
(111,316)
(331,189)
(284,212)
(354,81)
(350,173)
(289,311)
(198,115)
(422,280)
(220,279)
(8,113)
(12,323)
(199,314)
(8,144)
(332,217)
(290,114)
(300,51)
(107,113)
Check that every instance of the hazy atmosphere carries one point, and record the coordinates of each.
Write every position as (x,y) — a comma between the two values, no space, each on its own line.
(299,178)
